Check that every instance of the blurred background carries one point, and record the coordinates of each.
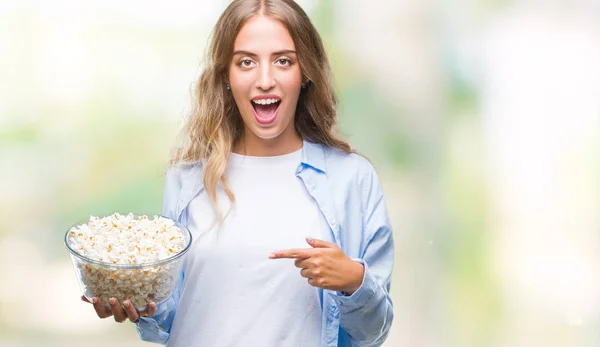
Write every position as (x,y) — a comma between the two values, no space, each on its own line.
(481,117)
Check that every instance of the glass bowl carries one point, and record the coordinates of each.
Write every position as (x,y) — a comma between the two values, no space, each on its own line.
(138,283)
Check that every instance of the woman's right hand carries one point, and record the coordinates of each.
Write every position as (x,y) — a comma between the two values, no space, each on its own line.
(121,312)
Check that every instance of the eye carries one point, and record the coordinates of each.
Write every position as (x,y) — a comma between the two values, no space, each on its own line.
(245,62)
(284,61)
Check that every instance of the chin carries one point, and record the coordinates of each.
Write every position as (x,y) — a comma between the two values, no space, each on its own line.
(267,133)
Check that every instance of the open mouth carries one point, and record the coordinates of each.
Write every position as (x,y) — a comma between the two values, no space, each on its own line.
(265,110)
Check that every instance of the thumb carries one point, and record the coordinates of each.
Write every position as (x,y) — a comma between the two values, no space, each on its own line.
(316,243)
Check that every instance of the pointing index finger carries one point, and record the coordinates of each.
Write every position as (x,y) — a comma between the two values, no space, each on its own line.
(294,253)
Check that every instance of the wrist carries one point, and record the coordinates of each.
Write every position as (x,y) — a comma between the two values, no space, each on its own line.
(358,273)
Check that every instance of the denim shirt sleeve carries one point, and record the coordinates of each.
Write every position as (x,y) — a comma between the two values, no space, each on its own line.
(158,327)
(367,314)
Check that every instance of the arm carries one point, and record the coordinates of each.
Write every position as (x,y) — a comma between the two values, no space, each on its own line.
(158,327)
(367,314)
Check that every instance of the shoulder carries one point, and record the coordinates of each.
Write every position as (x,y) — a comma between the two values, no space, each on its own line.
(180,175)
(178,172)
(342,163)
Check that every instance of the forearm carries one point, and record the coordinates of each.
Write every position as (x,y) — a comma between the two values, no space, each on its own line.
(367,314)
(157,328)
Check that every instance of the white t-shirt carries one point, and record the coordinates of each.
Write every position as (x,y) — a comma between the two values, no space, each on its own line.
(233,294)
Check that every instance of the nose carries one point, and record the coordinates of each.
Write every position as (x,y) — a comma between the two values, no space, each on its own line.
(265,80)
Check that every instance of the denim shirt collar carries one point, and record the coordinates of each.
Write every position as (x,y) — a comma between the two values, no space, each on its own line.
(313,156)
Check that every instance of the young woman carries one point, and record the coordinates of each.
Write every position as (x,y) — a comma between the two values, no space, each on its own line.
(293,245)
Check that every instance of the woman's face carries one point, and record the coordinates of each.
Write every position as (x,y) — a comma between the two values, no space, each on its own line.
(265,80)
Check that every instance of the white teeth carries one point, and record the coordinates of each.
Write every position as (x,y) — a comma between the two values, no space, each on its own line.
(265,101)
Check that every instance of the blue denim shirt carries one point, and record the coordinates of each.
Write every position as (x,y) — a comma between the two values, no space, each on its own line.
(348,193)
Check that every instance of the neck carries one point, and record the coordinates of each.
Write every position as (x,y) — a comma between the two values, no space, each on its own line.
(257,147)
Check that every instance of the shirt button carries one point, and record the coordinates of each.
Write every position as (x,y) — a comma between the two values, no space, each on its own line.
(333,222)
(309,182)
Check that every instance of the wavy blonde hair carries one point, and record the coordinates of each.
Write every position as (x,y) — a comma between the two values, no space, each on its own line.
(215,125)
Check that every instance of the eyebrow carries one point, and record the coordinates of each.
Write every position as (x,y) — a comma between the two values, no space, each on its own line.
(285,51)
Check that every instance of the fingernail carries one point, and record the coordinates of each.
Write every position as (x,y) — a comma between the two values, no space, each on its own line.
(112,301)
(126,304)
(272,255)
(94,300)
(309,239)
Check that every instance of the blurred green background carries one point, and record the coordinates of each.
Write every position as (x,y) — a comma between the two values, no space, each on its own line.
(481,117)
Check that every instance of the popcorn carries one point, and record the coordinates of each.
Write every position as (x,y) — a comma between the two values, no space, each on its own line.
(123,240)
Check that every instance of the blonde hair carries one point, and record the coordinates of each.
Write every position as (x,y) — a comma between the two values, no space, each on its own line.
(215,125)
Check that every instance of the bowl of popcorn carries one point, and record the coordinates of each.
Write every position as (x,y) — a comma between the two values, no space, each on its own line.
(131,257)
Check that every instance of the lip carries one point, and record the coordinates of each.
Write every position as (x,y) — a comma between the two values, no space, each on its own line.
(266,96)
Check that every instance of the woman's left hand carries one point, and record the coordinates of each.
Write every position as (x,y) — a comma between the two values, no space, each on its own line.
(325,266)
